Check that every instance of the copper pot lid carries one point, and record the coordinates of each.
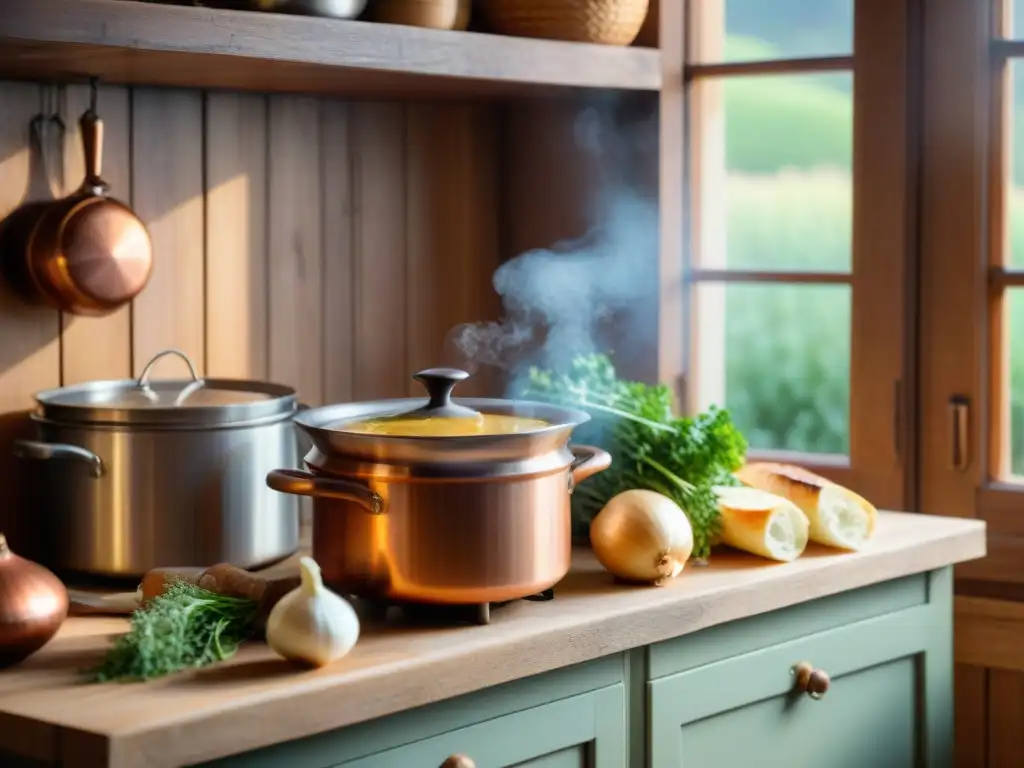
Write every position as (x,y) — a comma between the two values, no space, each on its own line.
(183,403)
(441,416)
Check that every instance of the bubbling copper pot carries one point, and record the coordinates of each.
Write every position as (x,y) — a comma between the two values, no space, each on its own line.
(455,520)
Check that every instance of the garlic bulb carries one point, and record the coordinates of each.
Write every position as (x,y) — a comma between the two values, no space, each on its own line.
(311,624)
(642,536)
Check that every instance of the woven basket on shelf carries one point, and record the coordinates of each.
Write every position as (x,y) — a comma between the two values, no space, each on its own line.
(612,22)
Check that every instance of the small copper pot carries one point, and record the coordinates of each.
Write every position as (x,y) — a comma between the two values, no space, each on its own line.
(87,253)
(450,520)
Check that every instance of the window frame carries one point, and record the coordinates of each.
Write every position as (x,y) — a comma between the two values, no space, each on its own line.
(881,456)
(966,167)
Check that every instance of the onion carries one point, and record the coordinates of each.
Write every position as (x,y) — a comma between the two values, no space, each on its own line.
(642,536)
(33,605)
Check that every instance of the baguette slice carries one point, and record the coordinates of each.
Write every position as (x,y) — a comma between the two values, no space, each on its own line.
(838,516)
(762,523)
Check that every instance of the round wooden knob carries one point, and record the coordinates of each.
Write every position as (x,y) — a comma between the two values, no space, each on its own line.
(458,761)
(813,682)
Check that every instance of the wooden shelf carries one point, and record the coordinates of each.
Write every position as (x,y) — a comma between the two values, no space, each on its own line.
(127,42)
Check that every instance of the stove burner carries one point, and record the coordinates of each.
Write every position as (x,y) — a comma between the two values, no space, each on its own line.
(479,613)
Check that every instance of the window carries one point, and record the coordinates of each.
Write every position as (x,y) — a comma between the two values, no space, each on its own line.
(972,277)
(797,180)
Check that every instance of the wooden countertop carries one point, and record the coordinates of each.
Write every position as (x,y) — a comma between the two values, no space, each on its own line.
(257,699)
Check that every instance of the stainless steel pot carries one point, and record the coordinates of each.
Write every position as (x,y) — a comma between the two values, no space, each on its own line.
(134,474)
(458,520)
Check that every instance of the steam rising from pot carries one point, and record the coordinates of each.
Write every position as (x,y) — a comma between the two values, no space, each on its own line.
(560,301)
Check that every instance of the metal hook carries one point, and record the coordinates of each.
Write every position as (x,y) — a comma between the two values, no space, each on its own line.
(93,93)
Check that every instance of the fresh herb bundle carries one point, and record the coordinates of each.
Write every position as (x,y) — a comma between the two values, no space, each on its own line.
(679,457)
(185,627)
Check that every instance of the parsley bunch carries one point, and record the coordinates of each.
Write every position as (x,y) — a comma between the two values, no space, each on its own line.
(183,628)
(679,457)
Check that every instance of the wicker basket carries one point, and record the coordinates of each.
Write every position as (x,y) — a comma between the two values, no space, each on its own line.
(612,22)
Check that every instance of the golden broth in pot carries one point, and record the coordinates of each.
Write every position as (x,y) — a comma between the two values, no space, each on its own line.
(443,426)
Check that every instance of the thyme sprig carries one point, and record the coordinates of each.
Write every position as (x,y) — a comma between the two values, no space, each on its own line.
(184,628)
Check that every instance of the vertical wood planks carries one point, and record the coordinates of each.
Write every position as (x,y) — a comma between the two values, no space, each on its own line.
(971,735)
(484,219)
(450,232)
(379,293)
(1005,715)
(338,213)
(82,358)
(167,192)
(296,256)
(237,328)
(326,244)
(29,336)
(29,347)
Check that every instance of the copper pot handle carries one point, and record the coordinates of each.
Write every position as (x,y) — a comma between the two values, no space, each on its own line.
(588,460)
(301,483)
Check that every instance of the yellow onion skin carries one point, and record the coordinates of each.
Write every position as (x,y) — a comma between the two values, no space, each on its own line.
(33,605)
(642,537)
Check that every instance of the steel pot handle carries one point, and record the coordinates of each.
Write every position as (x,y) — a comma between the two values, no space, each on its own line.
(588,460)
(301,483)
(33,449)
(143,382)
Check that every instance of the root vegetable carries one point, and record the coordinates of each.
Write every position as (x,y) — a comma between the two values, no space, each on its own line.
(642,536)
(223,579)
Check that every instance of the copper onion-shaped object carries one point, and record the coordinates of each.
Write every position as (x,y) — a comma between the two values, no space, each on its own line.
(33,605)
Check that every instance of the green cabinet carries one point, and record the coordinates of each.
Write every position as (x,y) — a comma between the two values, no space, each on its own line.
(888,702)
(719,698)
(585,731)
(747,711)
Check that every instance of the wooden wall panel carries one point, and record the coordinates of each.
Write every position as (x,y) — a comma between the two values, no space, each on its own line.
(379,284)
(339,228)
(235,154)
(1005,716)
(305,240)
(451,249)
(971,734)
(167,194)
(295,237)
(29,336)
(29,346)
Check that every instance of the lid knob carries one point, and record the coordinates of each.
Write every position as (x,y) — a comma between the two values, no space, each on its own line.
(439,383)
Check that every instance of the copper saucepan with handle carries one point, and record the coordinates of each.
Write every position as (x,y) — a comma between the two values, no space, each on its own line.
(87,253)
(441,515)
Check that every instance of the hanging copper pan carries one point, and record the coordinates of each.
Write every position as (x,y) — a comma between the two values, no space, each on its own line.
(87,253)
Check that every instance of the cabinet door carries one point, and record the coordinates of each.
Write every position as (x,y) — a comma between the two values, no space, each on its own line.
(585,731)
(888,705)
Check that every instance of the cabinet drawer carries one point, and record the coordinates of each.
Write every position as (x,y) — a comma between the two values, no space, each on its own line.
(761,631)
(425,731)
(585,731)
(746,710)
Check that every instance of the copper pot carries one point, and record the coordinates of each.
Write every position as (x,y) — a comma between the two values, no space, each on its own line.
(454,520)
(87,253)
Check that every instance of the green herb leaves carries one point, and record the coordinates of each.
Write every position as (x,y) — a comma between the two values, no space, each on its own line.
(679,457)
(185,627)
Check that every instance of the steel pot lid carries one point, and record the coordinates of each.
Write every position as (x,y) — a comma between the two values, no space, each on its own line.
(192,402)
